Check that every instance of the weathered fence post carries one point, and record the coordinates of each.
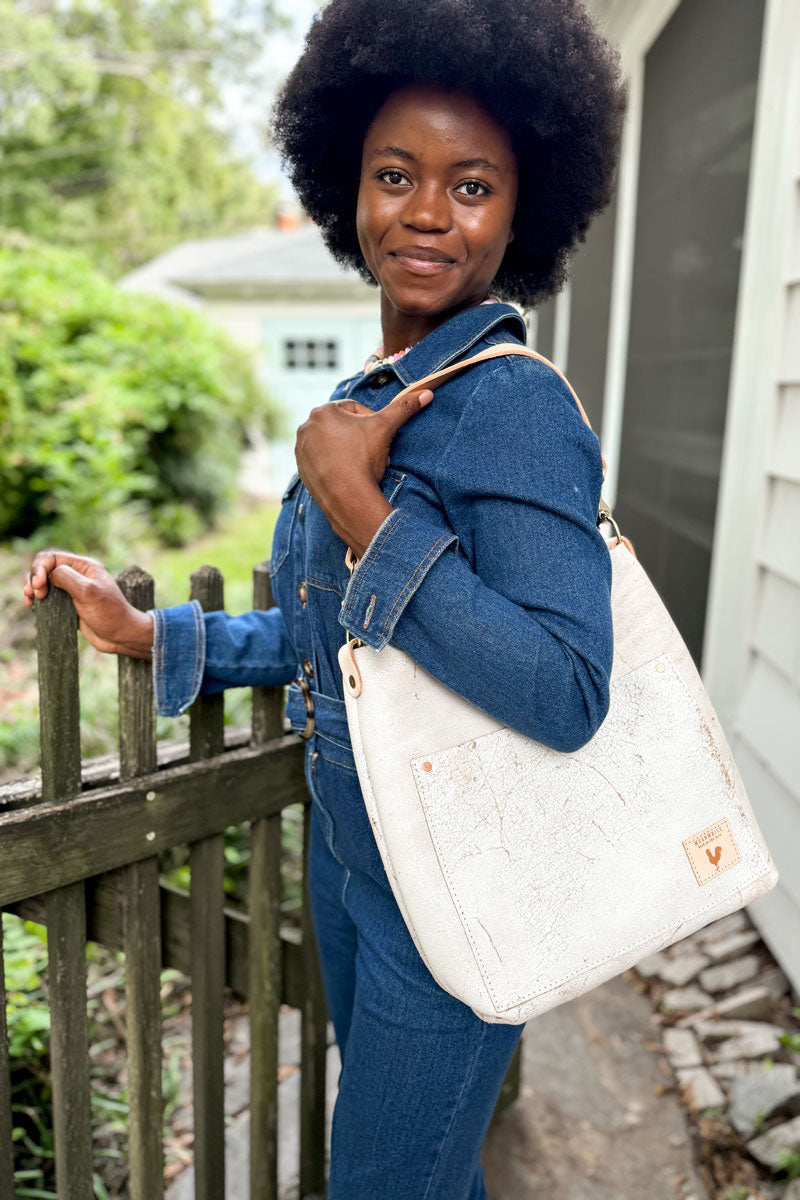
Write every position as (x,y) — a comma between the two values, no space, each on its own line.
(207,864)
(65,908)
(265,956)
(314,1045)
(141,921)
(6,1118)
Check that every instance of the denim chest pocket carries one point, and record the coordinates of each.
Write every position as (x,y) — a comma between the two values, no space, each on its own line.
(325,557)
(282,537)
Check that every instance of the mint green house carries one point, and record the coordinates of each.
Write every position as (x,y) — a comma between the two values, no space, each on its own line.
(307,322)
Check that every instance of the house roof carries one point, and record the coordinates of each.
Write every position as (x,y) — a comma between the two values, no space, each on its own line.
(260,263)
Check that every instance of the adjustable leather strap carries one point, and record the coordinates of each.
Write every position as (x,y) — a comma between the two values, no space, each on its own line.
(499,351)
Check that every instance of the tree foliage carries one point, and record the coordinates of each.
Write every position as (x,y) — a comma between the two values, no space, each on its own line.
(112,400)
(110,135)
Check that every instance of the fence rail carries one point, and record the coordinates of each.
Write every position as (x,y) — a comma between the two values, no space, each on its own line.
(80,853)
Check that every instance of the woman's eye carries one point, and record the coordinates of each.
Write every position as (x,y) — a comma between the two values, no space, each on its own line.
(473,187)
(393,177)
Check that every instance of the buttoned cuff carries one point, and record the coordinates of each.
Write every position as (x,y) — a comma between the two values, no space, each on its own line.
(394,564)
(179,654)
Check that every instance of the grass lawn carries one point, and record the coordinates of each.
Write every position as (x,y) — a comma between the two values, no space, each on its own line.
(240,541)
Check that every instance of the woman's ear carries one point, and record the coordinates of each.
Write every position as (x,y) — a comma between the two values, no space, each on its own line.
(511,235)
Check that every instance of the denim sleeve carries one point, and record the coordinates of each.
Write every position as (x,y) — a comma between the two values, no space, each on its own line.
(197,653)
(516,616)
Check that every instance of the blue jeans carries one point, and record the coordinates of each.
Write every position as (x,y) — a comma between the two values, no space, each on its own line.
(421,1073)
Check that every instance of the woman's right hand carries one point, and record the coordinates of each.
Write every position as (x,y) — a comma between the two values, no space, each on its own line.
(105,617)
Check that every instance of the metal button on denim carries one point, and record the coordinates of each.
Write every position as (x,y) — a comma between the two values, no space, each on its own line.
(302,592)
(300,511)
(379,379)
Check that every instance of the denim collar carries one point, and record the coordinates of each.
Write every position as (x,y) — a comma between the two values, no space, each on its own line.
(450,340)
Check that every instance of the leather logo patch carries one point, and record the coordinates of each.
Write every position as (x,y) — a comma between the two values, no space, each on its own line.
(712,851)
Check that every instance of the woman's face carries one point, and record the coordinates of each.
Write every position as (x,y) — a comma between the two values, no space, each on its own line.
(436,200)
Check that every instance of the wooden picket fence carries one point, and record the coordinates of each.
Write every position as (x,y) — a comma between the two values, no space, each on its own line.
(79,852)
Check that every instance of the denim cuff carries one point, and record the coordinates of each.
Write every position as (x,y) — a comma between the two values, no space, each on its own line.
(395,562)
(179,654)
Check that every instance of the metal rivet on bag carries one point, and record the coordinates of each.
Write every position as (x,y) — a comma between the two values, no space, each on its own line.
(427,766)
(660,667)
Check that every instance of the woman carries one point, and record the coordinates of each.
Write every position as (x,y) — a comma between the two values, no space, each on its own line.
(453,151)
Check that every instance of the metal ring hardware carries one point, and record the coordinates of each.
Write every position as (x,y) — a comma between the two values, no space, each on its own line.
(604,513)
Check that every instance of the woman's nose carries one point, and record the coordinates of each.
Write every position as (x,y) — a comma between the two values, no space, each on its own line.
(427,208)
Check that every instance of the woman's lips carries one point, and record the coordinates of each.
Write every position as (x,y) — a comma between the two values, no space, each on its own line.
(423,266)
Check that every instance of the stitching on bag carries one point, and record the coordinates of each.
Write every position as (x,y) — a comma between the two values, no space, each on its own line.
(522,999)
(446,537)
(747,837)
(451,888)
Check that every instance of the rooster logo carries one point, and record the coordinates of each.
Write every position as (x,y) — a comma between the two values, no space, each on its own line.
(714,858)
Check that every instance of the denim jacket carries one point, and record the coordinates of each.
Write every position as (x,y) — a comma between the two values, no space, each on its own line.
(490,570)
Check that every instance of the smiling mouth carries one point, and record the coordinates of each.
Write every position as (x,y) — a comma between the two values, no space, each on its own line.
(422,260)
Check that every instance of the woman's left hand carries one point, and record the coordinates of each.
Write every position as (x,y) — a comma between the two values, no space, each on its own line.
(342,452)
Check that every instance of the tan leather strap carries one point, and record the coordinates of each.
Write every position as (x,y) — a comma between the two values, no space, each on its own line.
(499,351)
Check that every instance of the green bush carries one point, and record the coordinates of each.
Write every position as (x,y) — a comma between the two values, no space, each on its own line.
(112,399)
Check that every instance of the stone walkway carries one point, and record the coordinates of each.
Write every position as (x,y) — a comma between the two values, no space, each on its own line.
(599,1116)
(589,1124)
(592,1121)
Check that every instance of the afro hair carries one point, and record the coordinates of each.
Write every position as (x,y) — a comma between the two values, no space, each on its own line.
(538,66)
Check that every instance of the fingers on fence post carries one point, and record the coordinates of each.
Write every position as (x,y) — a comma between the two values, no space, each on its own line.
(207,864)
(141,921)
(65,908)
(59,704)
(265,956)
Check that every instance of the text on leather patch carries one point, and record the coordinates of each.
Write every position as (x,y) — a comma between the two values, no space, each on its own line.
(712,851)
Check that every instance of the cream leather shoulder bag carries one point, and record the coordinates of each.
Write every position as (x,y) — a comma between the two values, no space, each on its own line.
(527,876)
